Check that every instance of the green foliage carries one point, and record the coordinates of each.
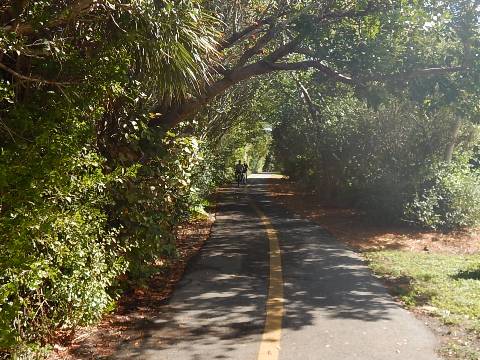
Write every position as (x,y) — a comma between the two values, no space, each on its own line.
(151,200)
(87,192)
(58,257)
(379,159)
(448,198)
(256,148)
(252,145)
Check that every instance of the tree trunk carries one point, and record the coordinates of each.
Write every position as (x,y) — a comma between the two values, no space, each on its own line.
(453,139)
(182,110)
(312,108)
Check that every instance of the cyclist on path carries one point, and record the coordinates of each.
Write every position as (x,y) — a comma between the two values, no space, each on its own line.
(239,172)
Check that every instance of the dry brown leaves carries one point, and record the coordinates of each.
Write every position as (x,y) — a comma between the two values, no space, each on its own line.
(353,229)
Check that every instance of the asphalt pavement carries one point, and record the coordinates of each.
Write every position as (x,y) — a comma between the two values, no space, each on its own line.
(333,308)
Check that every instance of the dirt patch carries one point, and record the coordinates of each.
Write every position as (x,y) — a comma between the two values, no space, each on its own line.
(456,342)
(137,304)
(352,228)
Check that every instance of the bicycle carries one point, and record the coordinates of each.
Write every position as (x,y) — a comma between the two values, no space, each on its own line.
(239,178)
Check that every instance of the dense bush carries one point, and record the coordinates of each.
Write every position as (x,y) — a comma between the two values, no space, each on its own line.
(57,256)
(382,161)
(153,199)
(448,199)
(78,229)
(87,191)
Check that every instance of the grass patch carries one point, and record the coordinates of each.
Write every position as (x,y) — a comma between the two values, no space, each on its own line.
(446,286)
(448,283)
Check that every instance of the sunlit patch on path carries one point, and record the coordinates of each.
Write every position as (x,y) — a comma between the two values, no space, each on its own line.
(266,176)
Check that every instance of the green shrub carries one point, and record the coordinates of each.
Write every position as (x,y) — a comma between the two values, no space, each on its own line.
(71,230)
(378,160)
(448,199)
(57,256)
(366,157)
(153,198)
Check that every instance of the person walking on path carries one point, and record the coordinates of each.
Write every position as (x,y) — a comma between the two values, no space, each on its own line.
(245,171)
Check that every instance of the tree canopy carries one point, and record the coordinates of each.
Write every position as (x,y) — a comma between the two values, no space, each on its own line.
(360,43)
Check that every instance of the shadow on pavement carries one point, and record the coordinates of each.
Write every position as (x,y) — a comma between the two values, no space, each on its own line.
(218,309)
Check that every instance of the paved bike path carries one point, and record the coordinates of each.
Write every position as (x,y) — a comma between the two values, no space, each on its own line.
(333,307)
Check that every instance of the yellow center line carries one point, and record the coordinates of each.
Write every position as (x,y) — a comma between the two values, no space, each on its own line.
(270,345)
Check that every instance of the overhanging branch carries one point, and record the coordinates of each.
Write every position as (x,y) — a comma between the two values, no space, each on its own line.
(245,33)
(417,72)
(315,64)
(77,9)
(259,45)
(30,78)
(249,30)
(269,64)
